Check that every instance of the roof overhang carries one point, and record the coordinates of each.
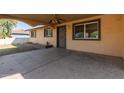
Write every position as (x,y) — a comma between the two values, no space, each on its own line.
(42,19)
(34,28)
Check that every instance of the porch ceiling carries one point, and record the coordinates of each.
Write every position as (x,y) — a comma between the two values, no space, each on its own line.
(41,19)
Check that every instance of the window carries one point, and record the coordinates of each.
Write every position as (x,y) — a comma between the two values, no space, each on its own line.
(79,32)
(33,34)
(87,30)
(48,32)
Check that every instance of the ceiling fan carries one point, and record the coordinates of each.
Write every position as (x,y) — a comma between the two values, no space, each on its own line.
(54,20)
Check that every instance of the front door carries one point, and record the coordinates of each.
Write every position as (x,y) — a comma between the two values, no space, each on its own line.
(61,37)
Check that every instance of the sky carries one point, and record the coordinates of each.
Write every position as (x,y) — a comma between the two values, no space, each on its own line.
(22,25)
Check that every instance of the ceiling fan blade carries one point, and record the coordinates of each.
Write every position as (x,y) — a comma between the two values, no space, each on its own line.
(55,20)
(50,22)
(62,20)
(58,22)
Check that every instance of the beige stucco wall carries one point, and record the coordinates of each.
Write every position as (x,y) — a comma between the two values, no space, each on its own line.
(111,42)
(41,39)
(111,37)
(123,44)
(123,36)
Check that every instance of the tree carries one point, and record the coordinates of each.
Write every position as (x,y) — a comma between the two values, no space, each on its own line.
(6,26)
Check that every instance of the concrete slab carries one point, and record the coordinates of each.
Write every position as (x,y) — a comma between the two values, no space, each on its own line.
(60,64)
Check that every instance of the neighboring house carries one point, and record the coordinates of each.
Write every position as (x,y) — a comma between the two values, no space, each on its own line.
(102,34)
(20,33)
(20,36)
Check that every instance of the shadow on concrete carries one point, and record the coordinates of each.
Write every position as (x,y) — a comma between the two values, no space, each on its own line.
(56,63)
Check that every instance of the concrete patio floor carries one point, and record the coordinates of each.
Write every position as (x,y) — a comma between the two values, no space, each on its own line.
(60,64)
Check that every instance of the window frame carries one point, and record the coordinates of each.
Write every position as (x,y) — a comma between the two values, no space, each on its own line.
(84,23)
(35,34)
(47,34)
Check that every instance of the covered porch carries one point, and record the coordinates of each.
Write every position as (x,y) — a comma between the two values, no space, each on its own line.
(85,46)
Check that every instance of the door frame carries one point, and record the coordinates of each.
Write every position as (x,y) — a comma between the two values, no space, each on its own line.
(58,35)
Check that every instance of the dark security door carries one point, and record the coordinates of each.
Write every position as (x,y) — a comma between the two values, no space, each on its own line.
(61,37)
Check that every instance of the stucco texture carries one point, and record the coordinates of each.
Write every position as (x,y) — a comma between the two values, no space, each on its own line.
(110,43)
(111,36)
(123,43)
(123,36)
(42,40)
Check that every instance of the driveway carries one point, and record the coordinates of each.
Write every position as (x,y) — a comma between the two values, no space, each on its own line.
(56,63)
